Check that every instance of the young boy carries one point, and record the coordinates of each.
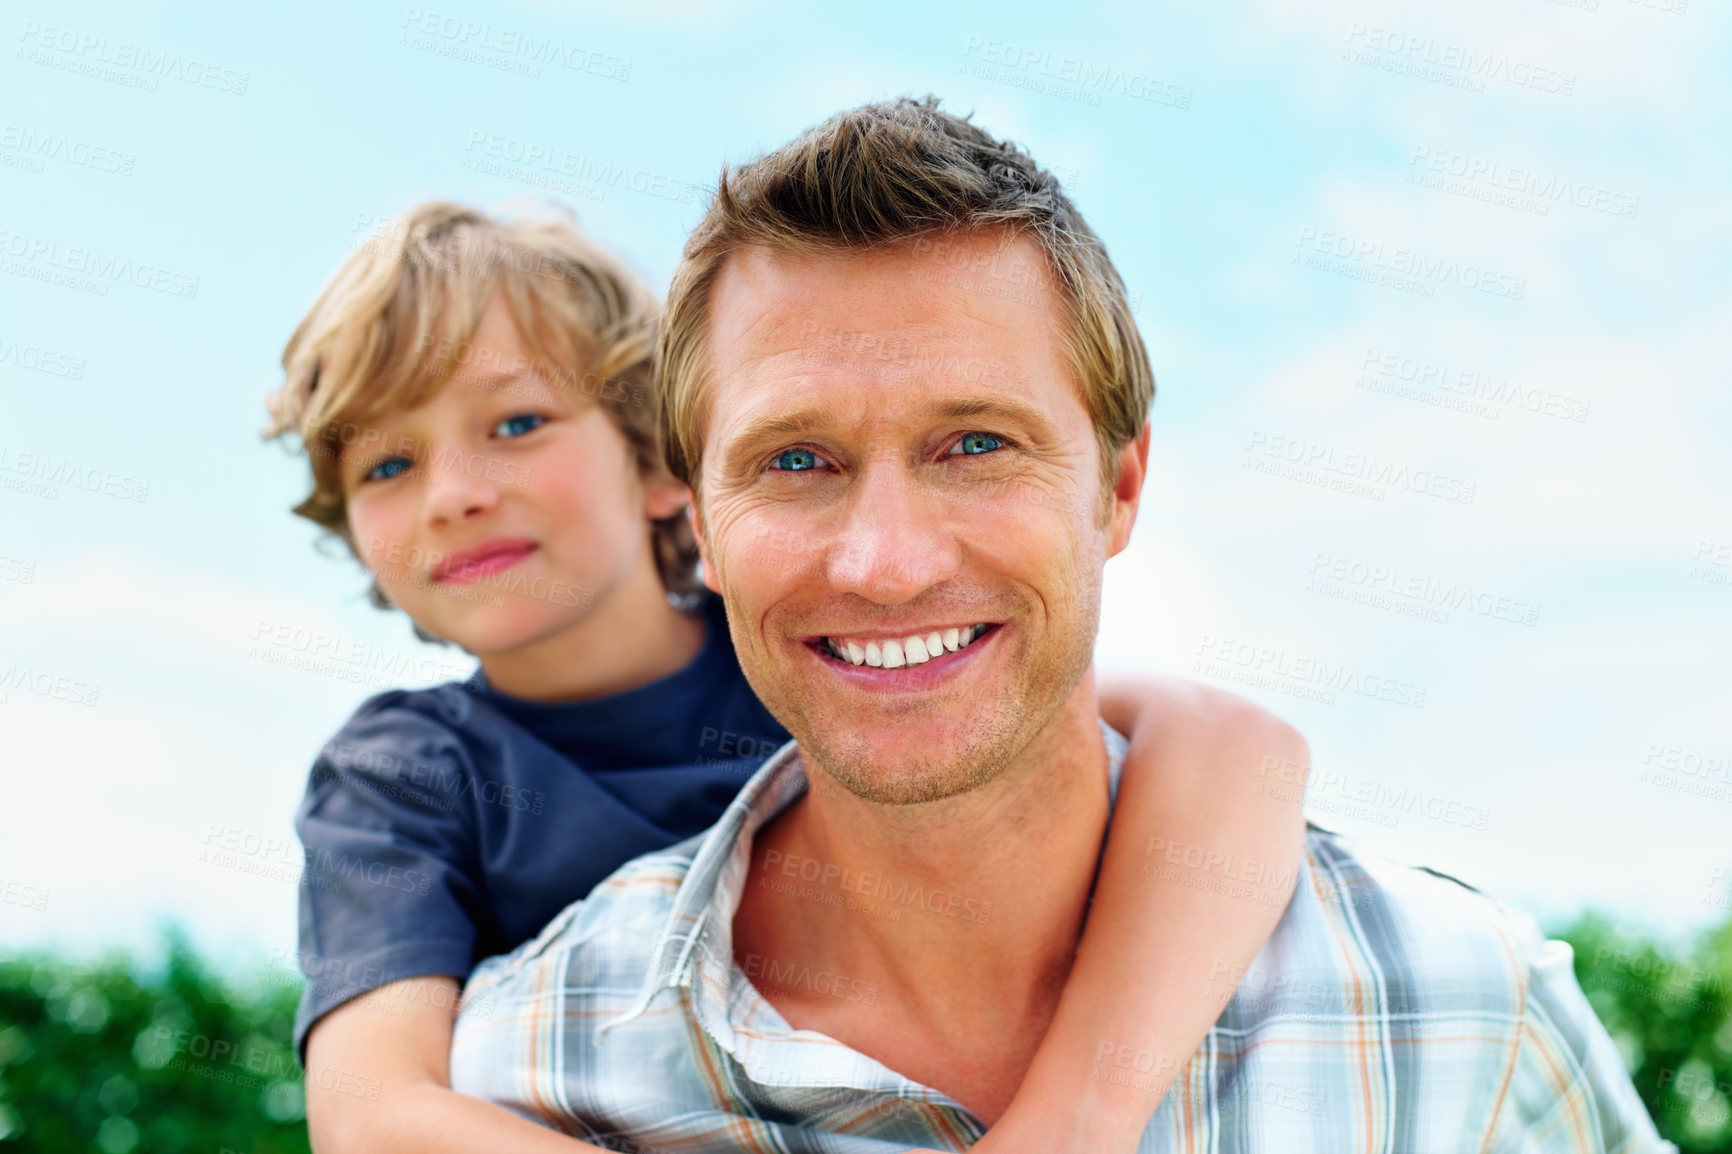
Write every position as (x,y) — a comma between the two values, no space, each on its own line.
(476,400)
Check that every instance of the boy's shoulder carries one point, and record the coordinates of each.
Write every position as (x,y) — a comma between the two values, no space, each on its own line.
(402,730)
(450,703)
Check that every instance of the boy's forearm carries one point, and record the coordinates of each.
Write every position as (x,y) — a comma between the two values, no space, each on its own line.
(1166,940)
(379,1083)
(426,1118)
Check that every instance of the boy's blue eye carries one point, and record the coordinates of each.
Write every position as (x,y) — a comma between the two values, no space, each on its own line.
(516,426)
(974,444)
(386,469)
(797,461)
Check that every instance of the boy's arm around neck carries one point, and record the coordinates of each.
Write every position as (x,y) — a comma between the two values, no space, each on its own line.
(1164,939)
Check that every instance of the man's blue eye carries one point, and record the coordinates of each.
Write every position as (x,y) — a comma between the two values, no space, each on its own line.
(973,444)
(386,469)
(797,461)
(518,425)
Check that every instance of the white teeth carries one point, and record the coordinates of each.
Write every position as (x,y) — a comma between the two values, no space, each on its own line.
(914,650)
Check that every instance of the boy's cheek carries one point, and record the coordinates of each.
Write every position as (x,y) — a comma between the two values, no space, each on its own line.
(394,569)
(376,560)
(382,549)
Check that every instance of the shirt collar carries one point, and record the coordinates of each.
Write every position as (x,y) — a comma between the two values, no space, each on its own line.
(723,857)
(695,949)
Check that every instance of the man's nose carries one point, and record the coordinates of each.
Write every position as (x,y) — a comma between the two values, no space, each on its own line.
(895,542)
(456,491)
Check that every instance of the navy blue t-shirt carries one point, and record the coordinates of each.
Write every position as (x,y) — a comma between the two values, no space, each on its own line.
(445,825)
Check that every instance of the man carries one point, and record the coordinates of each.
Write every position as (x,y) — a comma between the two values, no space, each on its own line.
(904,385)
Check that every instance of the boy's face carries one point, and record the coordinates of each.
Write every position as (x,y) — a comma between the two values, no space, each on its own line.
(504,509)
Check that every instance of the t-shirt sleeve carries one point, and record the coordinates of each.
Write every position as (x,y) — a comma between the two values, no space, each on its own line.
(391,885)
(1568,1090)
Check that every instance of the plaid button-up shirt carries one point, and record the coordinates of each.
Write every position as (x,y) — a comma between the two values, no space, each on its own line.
(1393,1010)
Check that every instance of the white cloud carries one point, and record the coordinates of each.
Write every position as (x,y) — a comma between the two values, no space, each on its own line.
(192,738)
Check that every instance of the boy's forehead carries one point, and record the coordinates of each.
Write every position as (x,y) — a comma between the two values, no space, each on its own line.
(494,348)
(476,370)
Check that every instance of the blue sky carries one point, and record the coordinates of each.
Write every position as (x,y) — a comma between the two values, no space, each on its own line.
(1388,257)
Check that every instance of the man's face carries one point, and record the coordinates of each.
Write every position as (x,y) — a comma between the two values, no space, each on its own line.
(895,453)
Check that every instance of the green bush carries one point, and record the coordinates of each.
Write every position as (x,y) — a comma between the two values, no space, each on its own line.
(1670,1014)
(101,1057)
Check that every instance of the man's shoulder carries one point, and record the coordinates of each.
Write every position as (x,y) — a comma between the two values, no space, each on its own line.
(616,929)
(1457,1002)
(1348,872)
(1416,940)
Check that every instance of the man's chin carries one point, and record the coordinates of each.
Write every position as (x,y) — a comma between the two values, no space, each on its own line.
(907,770)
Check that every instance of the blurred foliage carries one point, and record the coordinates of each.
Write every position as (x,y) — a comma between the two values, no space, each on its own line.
(102,1056)
(99,1056)
(1670,1012)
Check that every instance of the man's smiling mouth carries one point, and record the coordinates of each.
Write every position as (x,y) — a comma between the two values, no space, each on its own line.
(895,652)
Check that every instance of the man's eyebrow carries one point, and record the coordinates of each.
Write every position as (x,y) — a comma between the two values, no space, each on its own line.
(776,427)
(1003,408)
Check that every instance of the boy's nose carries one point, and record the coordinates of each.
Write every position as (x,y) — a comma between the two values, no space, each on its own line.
(456,493)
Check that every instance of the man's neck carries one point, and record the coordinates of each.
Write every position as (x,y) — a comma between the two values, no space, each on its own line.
(953,924)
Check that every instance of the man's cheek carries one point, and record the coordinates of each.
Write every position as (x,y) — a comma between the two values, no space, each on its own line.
(758,545)
(1042,527)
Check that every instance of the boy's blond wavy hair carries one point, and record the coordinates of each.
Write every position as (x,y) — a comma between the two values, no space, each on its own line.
(399,316)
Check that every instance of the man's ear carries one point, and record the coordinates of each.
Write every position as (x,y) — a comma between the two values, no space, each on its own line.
(1128,491)
(708,563)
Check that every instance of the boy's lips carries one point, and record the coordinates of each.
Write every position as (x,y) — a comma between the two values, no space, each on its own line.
(484,559)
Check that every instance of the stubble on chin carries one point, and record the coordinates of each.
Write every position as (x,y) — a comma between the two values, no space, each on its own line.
(965,763)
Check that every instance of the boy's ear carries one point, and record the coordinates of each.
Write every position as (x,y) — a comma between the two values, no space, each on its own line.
(663,497)
(708,567)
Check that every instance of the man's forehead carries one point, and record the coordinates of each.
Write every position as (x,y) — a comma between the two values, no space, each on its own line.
(770,300)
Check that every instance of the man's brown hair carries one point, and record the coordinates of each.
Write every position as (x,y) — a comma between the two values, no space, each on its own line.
(399,318)
(903,171)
